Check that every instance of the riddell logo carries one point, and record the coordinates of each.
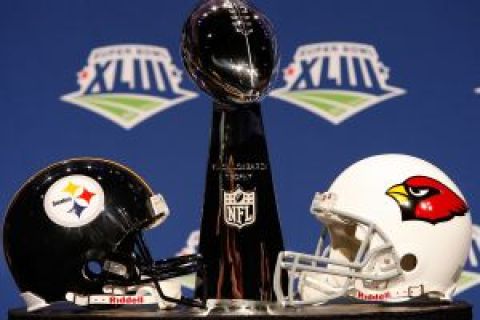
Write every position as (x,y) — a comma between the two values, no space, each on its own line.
(127,84)
(373,297)
(126,300)
(336,80)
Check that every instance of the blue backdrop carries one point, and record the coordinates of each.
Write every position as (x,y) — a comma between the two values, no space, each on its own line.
(388,77)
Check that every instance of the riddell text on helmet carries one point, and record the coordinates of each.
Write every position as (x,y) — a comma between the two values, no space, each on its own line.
(126,300)
(374,297)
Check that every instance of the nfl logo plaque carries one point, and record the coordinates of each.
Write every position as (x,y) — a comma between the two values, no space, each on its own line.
(230,50)
(239,208)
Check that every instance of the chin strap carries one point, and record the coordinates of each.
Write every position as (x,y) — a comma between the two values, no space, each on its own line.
(153,273)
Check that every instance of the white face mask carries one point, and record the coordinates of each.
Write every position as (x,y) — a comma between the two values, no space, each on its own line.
(354,250)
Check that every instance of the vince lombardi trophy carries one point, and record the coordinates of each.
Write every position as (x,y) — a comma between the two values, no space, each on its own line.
(230,50)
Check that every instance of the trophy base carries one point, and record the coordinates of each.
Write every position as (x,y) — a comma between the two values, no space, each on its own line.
(244,310)
(237,306)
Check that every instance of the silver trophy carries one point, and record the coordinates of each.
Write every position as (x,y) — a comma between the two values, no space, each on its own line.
(230,50)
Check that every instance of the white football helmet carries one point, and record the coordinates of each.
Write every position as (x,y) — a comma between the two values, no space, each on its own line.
(395,228)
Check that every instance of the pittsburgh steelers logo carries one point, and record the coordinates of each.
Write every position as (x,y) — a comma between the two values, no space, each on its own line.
(74,201)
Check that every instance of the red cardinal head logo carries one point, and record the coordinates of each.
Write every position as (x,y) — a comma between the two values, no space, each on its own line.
(426,199)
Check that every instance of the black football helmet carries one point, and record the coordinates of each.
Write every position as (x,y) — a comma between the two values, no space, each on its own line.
(74,232)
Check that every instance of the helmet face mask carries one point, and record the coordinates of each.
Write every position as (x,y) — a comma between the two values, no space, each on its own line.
(385,219)
(345,260)
(74,232)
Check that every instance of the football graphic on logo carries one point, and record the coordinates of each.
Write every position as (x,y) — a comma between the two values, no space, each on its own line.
(230,50)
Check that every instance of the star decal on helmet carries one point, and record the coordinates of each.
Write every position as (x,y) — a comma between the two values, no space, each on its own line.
(71,188)
(86,195)
(77,209)
(424,198)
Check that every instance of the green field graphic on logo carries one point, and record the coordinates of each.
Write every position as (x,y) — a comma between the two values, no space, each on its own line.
(124,108)
(187,281)
(467,280)
(333,103)
(471,278)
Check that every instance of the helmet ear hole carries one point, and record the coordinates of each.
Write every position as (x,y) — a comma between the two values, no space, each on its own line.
(408,262)
(92,269)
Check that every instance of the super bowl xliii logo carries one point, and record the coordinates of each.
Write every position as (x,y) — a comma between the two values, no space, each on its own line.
(336,80)
(129,83)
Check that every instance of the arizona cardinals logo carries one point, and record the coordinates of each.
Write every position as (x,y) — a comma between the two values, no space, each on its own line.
(426,199)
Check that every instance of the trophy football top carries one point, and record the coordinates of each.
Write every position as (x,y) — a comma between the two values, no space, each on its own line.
(230,50)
